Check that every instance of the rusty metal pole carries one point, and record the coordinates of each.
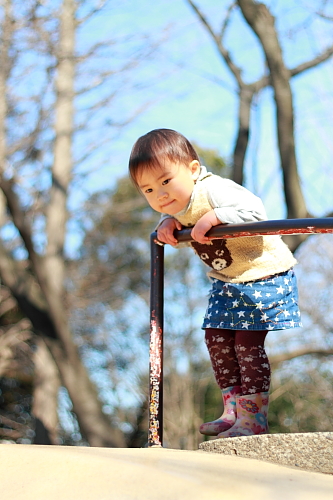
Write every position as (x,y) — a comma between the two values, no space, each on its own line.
(155,430)
(269,227)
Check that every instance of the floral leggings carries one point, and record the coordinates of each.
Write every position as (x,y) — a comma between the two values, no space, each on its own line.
(238,357)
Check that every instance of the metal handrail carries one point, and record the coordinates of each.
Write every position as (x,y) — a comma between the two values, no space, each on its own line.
(270,227)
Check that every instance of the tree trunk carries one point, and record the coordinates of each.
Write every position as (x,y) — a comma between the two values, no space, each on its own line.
(262,23)
(94,424)
(57,213)
(4,71)
(244,110)
(45,396)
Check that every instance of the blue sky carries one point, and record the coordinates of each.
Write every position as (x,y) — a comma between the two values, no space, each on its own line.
(184,85)
(183,96)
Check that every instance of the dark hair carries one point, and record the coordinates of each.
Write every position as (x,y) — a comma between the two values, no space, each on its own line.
(152,149)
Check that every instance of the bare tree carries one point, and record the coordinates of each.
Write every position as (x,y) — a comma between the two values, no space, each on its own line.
(262,23)
(38,281)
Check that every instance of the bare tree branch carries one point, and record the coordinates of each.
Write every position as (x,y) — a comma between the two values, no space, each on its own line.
(20,220)
(321,12)
(277,359)
(313,62)
(227,20)
(218,42)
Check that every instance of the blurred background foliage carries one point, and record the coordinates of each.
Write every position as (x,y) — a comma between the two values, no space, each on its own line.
(74,356)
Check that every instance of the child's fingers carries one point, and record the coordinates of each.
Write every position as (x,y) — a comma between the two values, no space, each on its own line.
(202,240)
(161,237)
(199,236)
(167,236)
(166,230)
(169,239)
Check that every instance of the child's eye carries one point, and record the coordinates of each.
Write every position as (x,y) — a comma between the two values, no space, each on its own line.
(166,182)
(149,190)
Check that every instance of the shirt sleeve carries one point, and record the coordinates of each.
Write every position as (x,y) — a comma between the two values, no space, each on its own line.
(232,203)
(163,217)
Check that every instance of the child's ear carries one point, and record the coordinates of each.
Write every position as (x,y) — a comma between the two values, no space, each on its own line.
(195,169)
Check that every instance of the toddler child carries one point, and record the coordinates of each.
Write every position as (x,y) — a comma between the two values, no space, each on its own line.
(253,288)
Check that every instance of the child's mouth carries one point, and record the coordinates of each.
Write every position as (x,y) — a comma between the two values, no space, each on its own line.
(167,204)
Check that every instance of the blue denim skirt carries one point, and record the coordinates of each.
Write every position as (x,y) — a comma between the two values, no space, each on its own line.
(266,304)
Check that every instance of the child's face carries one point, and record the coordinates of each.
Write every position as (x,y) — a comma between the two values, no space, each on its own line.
(168,189)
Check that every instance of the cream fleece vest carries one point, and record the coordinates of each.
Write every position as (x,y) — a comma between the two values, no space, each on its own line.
(239,259)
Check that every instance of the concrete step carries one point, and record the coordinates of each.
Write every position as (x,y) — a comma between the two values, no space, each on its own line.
(308,451)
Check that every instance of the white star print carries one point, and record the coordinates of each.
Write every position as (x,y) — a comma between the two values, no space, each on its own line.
(235,303)
(241,314)
(280,289)
(257,294)
(245,325)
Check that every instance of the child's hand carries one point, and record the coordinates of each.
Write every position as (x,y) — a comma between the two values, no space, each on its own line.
(166,229)
(203,225)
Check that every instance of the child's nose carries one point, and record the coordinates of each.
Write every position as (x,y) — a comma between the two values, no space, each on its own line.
(162,193)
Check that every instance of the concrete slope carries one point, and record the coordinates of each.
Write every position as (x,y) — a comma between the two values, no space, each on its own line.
(30,472)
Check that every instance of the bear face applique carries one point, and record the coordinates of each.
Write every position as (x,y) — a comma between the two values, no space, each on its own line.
(215,254)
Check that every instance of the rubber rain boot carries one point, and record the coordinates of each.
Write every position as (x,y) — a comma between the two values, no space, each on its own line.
(252,411)
(228,417)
